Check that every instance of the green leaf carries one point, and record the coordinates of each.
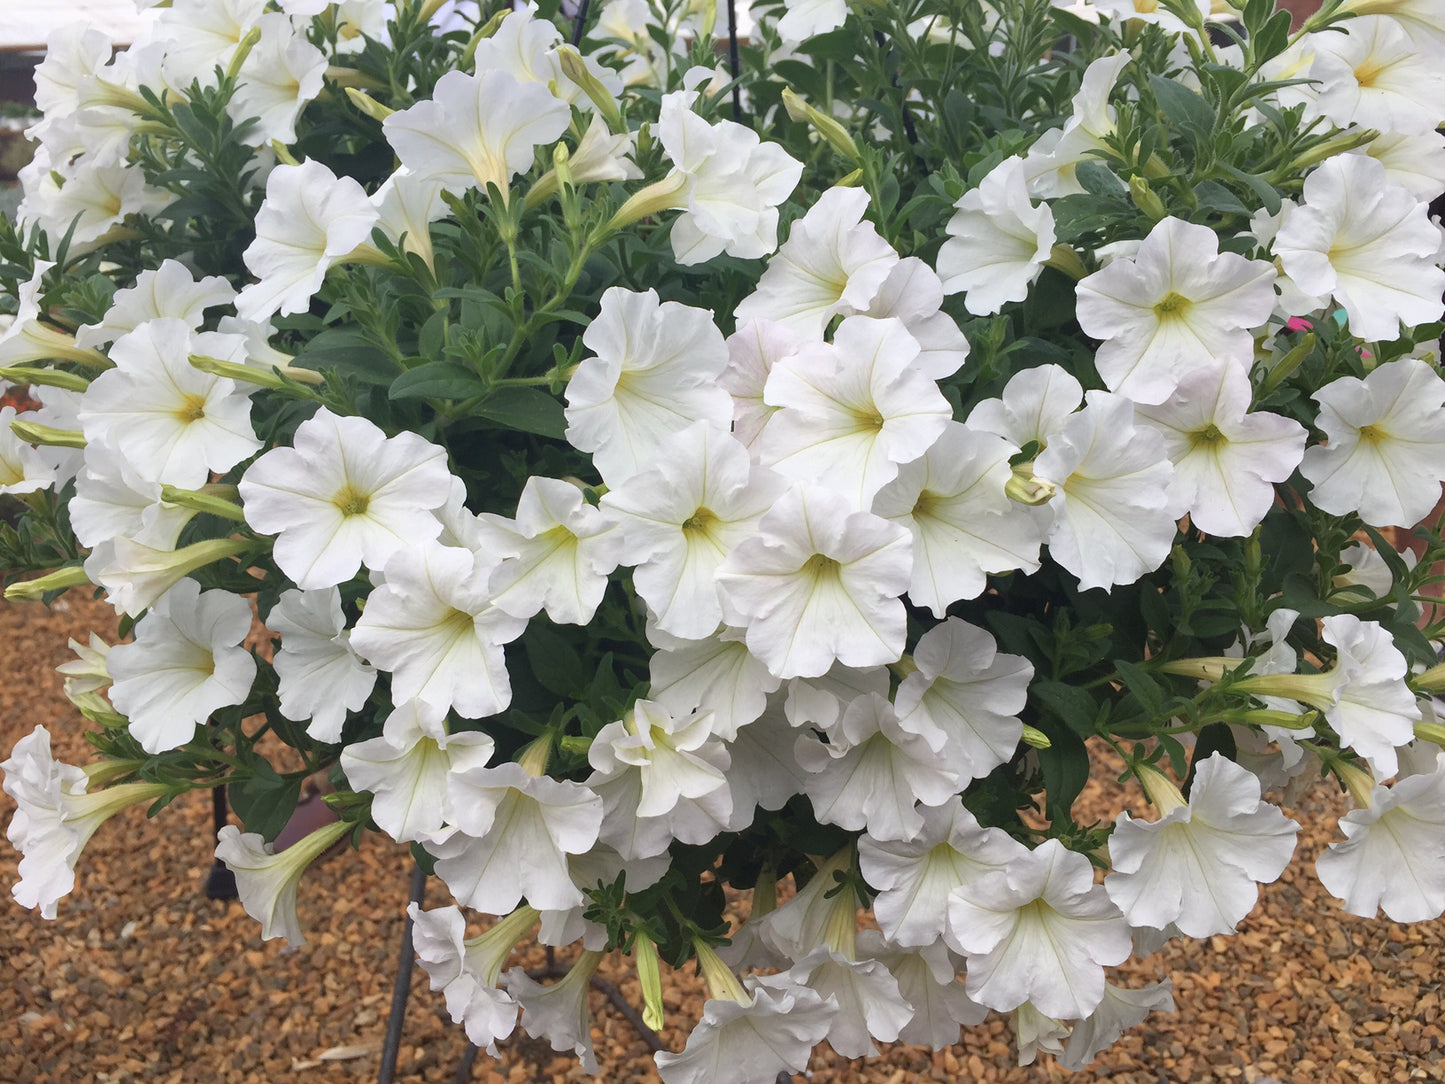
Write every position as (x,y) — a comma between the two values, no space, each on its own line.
(1073,706)
(265,801)
(1182,107)
(346,351)
(527,410)
(1213,196)
(554,662)
(1065,766)
(436,380)
(1268,197)
(1142,684)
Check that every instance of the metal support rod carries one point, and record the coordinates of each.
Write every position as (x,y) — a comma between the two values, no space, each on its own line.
(401,989)
(464,1067)
(631,1015)
(579,22)
(220,881)
(733,65)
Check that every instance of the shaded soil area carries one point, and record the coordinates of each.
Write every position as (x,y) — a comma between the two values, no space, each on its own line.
(143,979)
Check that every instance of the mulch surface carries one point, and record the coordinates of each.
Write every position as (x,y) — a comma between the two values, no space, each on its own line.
(144,979)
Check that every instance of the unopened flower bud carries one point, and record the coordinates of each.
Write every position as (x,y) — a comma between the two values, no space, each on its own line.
(828,127)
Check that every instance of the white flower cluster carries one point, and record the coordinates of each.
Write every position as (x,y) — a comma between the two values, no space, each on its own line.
(811,498)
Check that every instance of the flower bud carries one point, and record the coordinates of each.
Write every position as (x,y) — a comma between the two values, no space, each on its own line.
(828,127)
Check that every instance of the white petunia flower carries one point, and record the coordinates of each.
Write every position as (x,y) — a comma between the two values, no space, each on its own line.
(1038,931)
(913,293)
(1374,76)
(169,290)
(55,818)
(726,180)
(95,197)
(872,774)
(1393,856)
(1121,1010)
(559,1013)
(556,555)
(870,1005)
(753,350)
(716,674)
(267,880)
(674,756)
(1385,458)
(22,468)
(1033,408)
(467,969)
(1178,304)
(476,130)
(928,982)
(1414,162)
(1226,460)
(849,412)
(319,675)
(433,628)
(819,583)
(1199,865)
(752,1040)
(680,520)
(281,74)
(406,769)
(172,422)
(998,241)
(964,698)
(514,834)
(914,877)
(1112,519)
(1052,163)
(964,527)
(186,662)
(345,495)
(310,219)
(1366,242)
(832,263)
(654,373)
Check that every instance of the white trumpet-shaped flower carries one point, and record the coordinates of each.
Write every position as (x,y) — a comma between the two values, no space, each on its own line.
(1393,856)
(964,698)
(849,412)
(654,372)
(820,583)
(433,628)
(832,262)
(267,880)
(1385,457)
(1199,866)
(997,241)
(186,662)
(681,519)
(319,675)
(476,130)
(344,495)
(172,422)
(1038,931)
(555,555)
(1175,305)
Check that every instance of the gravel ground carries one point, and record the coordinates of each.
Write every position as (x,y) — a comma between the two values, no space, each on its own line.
(144,979)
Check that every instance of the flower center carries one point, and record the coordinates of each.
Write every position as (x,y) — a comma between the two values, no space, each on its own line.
(192,408)
(352,502)
(700,522)
(1209,436)
(820,567)
(927,504)
(1173,304)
